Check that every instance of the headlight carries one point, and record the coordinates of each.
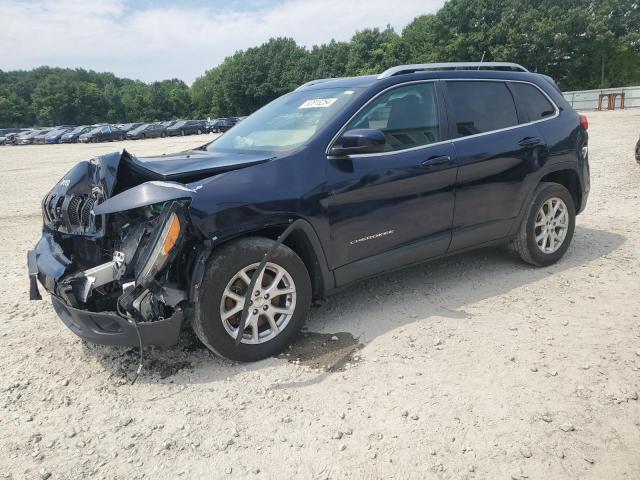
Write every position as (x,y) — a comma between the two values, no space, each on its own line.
(162,245)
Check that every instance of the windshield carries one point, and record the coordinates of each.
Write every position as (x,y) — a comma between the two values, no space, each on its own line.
(96,129)
(179,124)
(56,131)
(285,123)
(140,128)
(77,130)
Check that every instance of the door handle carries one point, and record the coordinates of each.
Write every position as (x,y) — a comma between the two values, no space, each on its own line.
(530,142)
(436,160)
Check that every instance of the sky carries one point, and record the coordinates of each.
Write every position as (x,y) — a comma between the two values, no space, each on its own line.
(162,39)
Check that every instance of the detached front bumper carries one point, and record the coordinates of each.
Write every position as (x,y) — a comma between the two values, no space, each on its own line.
(47,265)
(106,328)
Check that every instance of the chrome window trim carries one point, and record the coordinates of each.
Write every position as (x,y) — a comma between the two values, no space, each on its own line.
(442,142)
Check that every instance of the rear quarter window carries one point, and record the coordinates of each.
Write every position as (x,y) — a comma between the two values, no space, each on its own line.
(533,101)
(481,107)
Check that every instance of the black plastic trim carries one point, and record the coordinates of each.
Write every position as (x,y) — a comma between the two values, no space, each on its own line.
(108,328)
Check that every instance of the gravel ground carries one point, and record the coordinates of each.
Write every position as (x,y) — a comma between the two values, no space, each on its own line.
(476,366)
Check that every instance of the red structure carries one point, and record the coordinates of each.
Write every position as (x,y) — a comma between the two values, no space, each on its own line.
(611,100)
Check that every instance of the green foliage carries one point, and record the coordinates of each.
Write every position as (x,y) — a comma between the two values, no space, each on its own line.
(580,43)
(58,96)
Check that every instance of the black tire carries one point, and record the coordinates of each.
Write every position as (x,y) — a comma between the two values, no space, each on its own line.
(182,133)
(525,245)
(163,134)
(221,268)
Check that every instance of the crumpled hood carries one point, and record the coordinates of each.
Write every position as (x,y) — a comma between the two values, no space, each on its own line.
(193,164)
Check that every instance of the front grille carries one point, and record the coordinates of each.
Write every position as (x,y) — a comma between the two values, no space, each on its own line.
(68,213)
(85,214)
(74,210)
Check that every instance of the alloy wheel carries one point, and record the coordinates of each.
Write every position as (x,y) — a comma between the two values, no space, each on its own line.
(551,225)
(271,307)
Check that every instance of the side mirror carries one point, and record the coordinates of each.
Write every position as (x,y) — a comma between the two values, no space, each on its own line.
(360,140)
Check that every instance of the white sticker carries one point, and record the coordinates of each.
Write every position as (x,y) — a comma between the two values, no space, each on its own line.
(318,103)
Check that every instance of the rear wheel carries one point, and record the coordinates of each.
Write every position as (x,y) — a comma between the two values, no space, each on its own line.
(279,303)
(546,231)
(163,134)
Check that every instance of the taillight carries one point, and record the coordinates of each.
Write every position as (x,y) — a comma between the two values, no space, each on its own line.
(584,122)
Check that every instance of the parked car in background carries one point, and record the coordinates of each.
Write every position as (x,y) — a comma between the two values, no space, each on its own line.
(222,124)
(27,138)
(187,127)
(638,151)
(103,133)
(39,139)
(147,130)
(9,138)
(72,136)
(54,135)
(127,127)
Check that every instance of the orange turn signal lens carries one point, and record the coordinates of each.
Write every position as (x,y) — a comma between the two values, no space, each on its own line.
(172,236)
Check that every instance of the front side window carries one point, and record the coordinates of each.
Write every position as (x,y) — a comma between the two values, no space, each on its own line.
(533,101)
(285,123)
(407,115)
(480,107)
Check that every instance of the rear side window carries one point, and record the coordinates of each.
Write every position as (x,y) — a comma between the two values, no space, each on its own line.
(533,101)
(407,115)
(480,107)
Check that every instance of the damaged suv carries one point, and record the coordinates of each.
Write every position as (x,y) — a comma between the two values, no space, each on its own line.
(340,180)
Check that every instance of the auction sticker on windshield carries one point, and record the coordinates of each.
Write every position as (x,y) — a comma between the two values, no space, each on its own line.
(318,103)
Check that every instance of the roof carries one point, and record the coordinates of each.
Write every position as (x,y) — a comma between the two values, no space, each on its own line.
(425,70)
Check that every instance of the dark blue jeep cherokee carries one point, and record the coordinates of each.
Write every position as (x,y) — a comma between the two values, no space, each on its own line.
(340,180)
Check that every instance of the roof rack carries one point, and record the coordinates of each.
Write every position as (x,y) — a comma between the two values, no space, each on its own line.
(401,69)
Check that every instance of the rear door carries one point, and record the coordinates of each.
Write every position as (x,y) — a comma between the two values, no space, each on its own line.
(497,148)
(398,202)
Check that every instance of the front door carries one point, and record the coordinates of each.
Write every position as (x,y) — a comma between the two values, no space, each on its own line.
(397,204)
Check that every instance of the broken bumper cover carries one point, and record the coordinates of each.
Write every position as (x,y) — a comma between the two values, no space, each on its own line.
(47,264)
(106,328)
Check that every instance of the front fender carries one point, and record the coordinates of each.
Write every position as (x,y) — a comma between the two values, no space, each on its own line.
(322,278)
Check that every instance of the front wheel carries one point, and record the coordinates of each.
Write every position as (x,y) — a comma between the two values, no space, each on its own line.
(279,304)
(547,229)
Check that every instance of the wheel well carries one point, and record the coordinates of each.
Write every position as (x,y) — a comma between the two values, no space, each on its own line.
(568,179)
(299,243)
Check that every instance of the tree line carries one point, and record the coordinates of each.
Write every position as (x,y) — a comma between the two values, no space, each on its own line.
(582,44)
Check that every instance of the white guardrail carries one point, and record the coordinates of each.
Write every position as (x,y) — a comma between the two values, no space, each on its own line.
(588,99)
